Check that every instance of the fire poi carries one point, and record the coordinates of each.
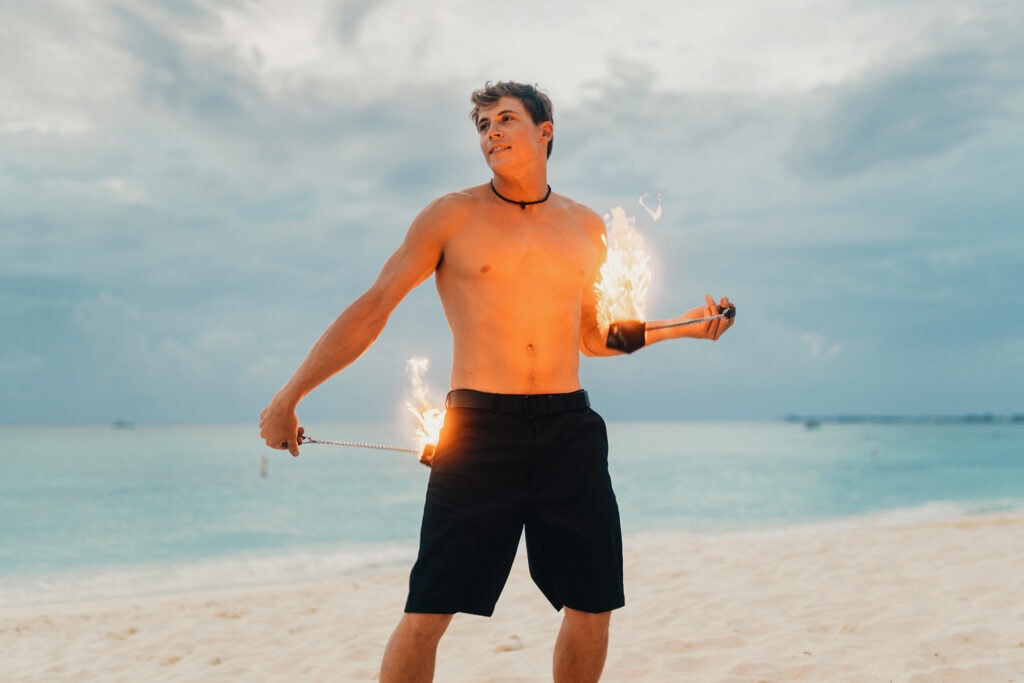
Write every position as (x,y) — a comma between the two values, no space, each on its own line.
(625,274)
(622,285)
(429,419)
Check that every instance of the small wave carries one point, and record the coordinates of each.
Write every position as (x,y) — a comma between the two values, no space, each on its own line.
(210,574)
(936,511)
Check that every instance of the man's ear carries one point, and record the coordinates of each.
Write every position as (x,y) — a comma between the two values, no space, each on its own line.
(547,129)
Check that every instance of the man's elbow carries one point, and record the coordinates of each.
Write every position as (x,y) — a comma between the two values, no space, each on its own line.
(595,349)
(585,348)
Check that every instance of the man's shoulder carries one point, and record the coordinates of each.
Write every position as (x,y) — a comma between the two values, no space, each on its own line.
(458,200)
(447,211)
(583,214)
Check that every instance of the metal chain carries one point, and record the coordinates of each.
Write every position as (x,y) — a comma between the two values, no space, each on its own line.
(355,444)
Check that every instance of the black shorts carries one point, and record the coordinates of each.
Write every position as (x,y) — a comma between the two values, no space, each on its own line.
(495,472)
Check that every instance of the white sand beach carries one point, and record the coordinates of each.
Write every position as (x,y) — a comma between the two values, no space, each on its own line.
(913,603)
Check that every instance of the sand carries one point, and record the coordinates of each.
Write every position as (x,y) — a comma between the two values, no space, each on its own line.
(923,602)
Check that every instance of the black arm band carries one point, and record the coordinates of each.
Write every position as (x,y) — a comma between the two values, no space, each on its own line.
(628,335)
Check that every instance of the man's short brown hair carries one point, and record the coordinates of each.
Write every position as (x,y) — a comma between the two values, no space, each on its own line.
(536,103)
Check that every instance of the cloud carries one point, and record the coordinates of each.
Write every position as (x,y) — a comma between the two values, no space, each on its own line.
(178,72)
(350,18)
(920,109)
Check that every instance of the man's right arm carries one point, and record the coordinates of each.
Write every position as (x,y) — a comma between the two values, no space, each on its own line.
(359,325)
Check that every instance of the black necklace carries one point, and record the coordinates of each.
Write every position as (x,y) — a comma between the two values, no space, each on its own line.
(522,205)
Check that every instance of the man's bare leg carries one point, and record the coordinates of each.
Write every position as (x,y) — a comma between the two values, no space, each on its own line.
(581,647)
(412,649)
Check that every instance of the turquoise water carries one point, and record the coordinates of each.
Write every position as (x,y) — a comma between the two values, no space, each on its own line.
(95,512)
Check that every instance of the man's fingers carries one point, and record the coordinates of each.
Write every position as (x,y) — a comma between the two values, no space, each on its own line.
(291,445)
(280,432)
(274,441)
(717,328)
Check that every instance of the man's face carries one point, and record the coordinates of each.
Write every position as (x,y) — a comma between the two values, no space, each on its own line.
(509,136)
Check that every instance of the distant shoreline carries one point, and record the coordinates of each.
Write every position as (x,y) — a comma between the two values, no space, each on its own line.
(970,418)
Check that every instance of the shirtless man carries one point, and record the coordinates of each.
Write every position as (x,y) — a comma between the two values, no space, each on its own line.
(515,266)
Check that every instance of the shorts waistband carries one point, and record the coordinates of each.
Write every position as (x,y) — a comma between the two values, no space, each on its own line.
(528,405)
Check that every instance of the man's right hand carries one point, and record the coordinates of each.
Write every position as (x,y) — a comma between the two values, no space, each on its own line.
(279,427)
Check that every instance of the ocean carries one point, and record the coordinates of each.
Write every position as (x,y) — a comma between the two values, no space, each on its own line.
(97,512)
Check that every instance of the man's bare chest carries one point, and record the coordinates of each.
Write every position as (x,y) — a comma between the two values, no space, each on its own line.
(520,252)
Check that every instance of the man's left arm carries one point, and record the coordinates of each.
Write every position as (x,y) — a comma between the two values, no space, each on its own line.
(627,336)
(683,325)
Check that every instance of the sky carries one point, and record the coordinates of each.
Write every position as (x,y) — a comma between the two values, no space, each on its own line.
(191,191)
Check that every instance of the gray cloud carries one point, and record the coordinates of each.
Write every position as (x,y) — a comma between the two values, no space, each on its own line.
(915,110)
(350,16)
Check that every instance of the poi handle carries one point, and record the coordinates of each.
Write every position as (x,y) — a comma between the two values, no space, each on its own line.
(729,312)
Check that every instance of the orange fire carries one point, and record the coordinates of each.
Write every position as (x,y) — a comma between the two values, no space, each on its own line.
(622,286)
(429,419)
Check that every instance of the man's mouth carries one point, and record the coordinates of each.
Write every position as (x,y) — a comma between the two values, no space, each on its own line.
(500,148)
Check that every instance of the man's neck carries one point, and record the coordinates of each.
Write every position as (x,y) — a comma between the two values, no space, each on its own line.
(521,189)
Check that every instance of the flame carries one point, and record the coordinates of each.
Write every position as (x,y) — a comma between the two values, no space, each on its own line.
(622,285)
(429,419)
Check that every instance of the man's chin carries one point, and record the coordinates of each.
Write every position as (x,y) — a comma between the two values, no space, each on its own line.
(497,163)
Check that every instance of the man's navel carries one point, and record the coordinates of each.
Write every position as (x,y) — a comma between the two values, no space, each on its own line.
(484,269)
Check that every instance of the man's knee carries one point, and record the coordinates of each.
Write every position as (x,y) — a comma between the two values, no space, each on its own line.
(425,626)
(588,621)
